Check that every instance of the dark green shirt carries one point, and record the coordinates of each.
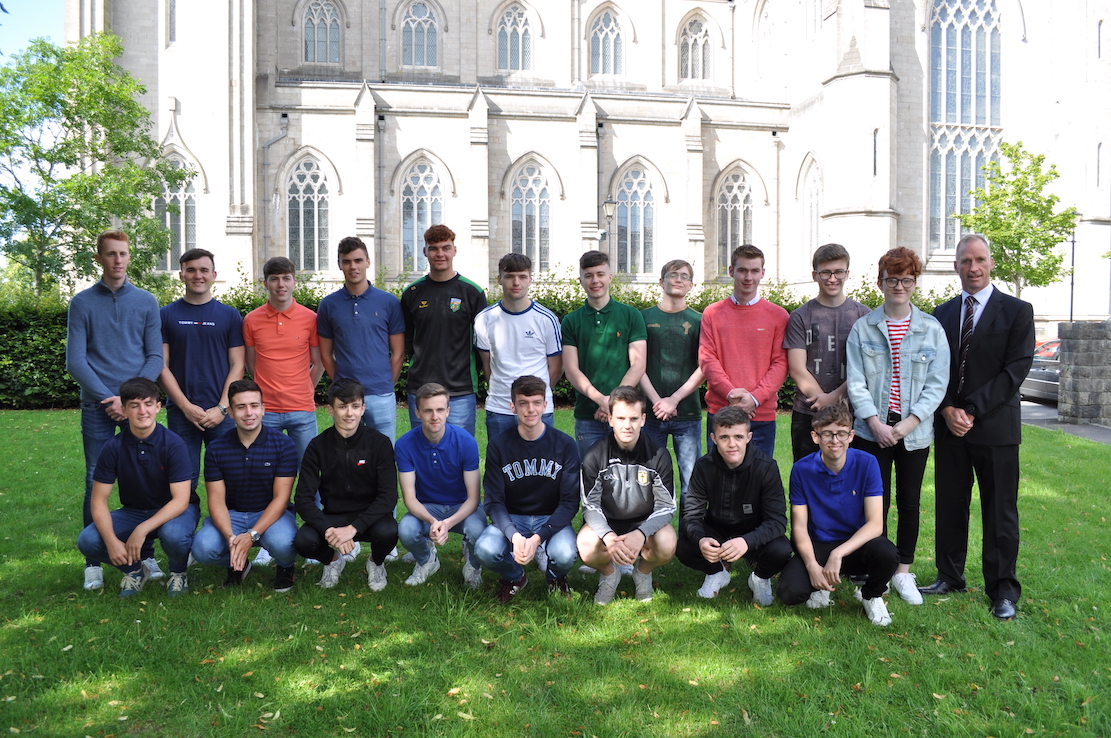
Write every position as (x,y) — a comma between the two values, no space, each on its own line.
(673,355)
(602,338)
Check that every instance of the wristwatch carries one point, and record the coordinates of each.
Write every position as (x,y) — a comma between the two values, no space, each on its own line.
(255,535)
(223,409)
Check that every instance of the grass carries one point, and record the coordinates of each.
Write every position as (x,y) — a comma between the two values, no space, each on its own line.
(441,660)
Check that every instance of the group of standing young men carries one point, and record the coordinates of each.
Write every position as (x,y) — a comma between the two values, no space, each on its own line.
(632,371)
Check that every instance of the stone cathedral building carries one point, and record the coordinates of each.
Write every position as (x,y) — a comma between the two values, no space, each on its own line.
(652,129)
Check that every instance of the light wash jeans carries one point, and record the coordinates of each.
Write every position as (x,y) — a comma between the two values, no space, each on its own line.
(686,438)
(299,425)
(210,546)
(194,437)
(176,536)
(413,532)
(381,414)
(588,433)
(498,423)
(495,551)
(463,409)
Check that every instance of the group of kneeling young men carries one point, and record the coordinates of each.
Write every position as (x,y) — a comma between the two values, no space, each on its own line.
(347,484)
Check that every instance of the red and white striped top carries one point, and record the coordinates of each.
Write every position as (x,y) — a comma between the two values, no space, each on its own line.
(896,330)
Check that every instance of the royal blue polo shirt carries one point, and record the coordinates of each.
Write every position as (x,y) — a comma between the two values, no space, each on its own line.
(248,473)
(835,502)
(439,467)
(360,327)
(145,468)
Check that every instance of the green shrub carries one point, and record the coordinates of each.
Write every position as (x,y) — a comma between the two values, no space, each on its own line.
(33,356)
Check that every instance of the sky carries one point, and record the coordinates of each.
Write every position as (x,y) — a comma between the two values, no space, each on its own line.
(28,19)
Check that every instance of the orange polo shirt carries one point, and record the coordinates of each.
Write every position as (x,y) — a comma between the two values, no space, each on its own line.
(282,341)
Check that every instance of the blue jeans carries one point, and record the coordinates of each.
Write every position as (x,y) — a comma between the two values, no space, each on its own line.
(210,546)
(194,436)
(498,423)
(763,434)
(299,425)
(413,532)
(176,536)
(588,433)
(463,409)
(96,429)
(686,438)
(381,414)
(495,551)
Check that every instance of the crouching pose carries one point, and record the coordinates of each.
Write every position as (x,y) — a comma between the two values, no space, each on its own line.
(248,473)
(628,493)
(837,521)
(352,468)
(531,482)
(734,509)
(151,465)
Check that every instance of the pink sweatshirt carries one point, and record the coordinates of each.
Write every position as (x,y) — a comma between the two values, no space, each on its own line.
(742,346)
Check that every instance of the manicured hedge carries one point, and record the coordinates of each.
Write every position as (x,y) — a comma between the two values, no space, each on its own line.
(33,335)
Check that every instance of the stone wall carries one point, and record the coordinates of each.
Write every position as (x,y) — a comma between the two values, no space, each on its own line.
(1085,392)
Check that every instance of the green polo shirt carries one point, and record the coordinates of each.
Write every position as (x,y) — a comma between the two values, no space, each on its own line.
(673,355)
(602,338)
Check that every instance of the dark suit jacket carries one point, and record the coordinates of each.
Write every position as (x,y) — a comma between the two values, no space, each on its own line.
(1001,351)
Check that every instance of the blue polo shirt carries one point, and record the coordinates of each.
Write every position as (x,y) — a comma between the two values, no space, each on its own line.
(440,466)
(835,502)
(360,327)
(248,473)
(199,337)
(145,468)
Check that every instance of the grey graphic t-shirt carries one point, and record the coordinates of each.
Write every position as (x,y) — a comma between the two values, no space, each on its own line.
(822,331)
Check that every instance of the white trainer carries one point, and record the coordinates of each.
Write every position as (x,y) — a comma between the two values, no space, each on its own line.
(262,558)
(421,572)
(876,611)
(354,554)
(392,556)
(643,584)
(819,598)
(472,575)
(906,585)
(761,590)
(376,574)
(607,587)
(713,583)
(152,567)
(94,578)
(542,560)
(330,576)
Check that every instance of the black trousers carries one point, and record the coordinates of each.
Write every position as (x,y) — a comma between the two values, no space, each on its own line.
(910,468)
(382,535)
(802,443)
(767,560)
(877,558)
(996,471)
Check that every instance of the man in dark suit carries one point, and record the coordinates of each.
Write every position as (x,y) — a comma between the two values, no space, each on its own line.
(979,427)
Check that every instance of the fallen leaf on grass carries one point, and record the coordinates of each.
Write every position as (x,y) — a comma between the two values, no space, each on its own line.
(896,676)
(260,695)
(248,673)
(453,691)
(1085,702)
(939,696)
(465,715)
(692,682)
(68,648)
(744,714)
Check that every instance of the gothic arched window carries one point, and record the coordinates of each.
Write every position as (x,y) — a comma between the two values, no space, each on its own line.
(530,210)
(606,46)
(965,123)
(422,206)
(635,223)
(418,36)
(321,32)
(307,207)
(694,51)
(734,203)
(177,209)
(514,40)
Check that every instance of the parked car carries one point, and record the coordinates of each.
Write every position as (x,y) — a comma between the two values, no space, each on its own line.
(1045,374)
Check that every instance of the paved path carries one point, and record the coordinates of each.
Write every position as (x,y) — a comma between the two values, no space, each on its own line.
(1045,416)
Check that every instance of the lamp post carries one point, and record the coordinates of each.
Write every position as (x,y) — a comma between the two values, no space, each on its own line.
(609,207)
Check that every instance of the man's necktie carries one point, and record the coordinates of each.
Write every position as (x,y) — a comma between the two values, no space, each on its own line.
(966,335)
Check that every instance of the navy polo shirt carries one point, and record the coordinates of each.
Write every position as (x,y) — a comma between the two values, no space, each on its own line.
(145,468)
(360,327)
(835,502)
(248,473)
(439,467)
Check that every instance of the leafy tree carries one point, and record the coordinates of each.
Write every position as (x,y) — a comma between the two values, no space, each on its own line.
(76,158)
(1018,218)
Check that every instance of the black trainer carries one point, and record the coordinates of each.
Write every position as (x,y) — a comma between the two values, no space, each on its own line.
(283,580)
(559,585)
(507,590)
(235,578)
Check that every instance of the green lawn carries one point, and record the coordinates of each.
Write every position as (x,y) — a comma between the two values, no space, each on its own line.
(441,660)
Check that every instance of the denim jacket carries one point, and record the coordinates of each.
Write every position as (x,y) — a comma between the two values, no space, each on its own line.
(924,358)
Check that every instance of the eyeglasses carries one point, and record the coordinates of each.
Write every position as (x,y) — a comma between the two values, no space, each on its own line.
(839,435)
(681,276)
(894,282)
(838,273)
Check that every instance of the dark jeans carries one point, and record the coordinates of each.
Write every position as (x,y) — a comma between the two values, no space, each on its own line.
(802,443)
(176,535)
(767,560)
(382,535)
(877,558)
(910,467)
(194,437)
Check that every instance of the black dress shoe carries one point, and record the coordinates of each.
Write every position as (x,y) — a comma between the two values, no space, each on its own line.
(940,587)
(1003,609)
